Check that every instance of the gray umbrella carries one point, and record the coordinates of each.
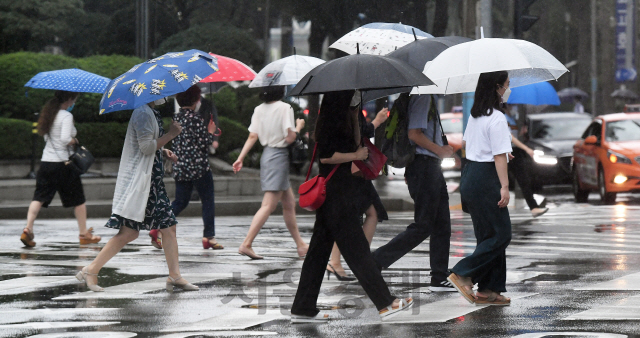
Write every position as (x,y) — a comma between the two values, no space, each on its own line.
(363,72)
(624,93)
(572,92)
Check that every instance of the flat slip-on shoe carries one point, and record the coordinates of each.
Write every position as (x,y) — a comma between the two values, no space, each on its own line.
(321,317)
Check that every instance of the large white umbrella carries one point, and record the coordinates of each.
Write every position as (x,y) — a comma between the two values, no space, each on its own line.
(286,71)
(457,69)
(378,38)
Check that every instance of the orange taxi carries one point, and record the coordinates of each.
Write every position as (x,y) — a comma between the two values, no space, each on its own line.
(607,158)
(452,127)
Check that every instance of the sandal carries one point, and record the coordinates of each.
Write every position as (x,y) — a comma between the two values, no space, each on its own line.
(321,317)
(27,238)
(89,238)
(82,276)
(390,310)
(464,288)
(156,241)
(493,298)
(206,243)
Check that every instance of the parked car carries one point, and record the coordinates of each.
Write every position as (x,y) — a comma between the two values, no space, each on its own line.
(452,127)
(552,136)
(609,164)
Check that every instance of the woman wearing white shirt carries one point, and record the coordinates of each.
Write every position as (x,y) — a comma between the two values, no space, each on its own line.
(484,188)
(272,123)
(55,123)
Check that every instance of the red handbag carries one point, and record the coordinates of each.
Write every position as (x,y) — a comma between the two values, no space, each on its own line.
(372,166)
(314,191)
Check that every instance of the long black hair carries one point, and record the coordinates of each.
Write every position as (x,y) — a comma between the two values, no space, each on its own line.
(50,110)
(487,98)
(335,119)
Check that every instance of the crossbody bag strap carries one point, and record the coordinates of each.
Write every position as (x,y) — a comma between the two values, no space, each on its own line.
(313,158)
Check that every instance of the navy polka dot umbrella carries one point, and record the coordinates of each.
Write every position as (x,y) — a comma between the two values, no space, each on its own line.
(71,80)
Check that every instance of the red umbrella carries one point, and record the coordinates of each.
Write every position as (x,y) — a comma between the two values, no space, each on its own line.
(230,70)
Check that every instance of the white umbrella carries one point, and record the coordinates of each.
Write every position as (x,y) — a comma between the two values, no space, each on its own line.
(457,69)
(378,38)
(286,71)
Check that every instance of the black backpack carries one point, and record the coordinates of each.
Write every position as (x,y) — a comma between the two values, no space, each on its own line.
(396,145)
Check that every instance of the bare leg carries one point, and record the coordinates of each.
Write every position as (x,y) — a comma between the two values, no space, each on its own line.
(370,223)
(170,246)
(113,246)
(269,204)
(34,209)
(81,216)
(289,213)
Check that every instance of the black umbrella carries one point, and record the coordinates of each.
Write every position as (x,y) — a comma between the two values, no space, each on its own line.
(368,73)
(419,52)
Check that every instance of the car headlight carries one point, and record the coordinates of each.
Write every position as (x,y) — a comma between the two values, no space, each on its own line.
(448,163)
(617,158)
(541,158)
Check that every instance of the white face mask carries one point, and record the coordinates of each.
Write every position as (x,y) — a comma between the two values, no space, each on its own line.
(198,106)
(160,101)
(505,96)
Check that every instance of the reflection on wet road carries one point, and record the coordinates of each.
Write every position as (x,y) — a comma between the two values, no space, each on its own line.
(574,272)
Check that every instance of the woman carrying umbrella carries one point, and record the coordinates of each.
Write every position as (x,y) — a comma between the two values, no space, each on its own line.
(55,123)
(372,207)
(484,188)
(140,200)
(337,138)
(272,124)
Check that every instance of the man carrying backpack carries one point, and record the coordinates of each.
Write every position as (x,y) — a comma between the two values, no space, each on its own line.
(428,190)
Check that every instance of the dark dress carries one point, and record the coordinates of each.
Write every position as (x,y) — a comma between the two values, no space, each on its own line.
(158,213)
(371,196)
(337,220)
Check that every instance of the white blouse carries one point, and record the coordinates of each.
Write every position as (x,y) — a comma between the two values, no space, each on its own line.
(272,121)
(134,174)
(487,136)
(57,139)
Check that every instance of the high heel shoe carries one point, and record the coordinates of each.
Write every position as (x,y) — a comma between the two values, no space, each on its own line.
(186,286)
(27,238)
(155,240)
(89,238)
(206,243)
(82,276)
(340,278)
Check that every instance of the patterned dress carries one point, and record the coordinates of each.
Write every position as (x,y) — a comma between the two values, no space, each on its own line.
(158,213)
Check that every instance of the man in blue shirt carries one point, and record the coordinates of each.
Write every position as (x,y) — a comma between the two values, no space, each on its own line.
(428,190)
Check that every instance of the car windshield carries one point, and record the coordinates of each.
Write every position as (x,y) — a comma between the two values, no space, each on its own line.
(558,129)
(625,130)
(453,125)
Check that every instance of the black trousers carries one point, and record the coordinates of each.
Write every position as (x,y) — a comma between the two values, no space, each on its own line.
(480,191)
(520,168)
(428,190)
(338,220)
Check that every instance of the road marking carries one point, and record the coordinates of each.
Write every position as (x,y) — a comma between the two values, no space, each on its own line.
(54,325)
(20,285)
(625,283)
(236,319)
(624,309)
(444,310)
(15,316)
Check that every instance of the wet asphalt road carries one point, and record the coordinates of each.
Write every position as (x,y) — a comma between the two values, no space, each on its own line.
(574,272)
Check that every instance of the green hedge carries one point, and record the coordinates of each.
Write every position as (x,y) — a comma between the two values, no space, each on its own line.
(17,68)
(102,139)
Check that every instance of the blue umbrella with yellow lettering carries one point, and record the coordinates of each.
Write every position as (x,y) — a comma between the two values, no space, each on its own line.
(154,79)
